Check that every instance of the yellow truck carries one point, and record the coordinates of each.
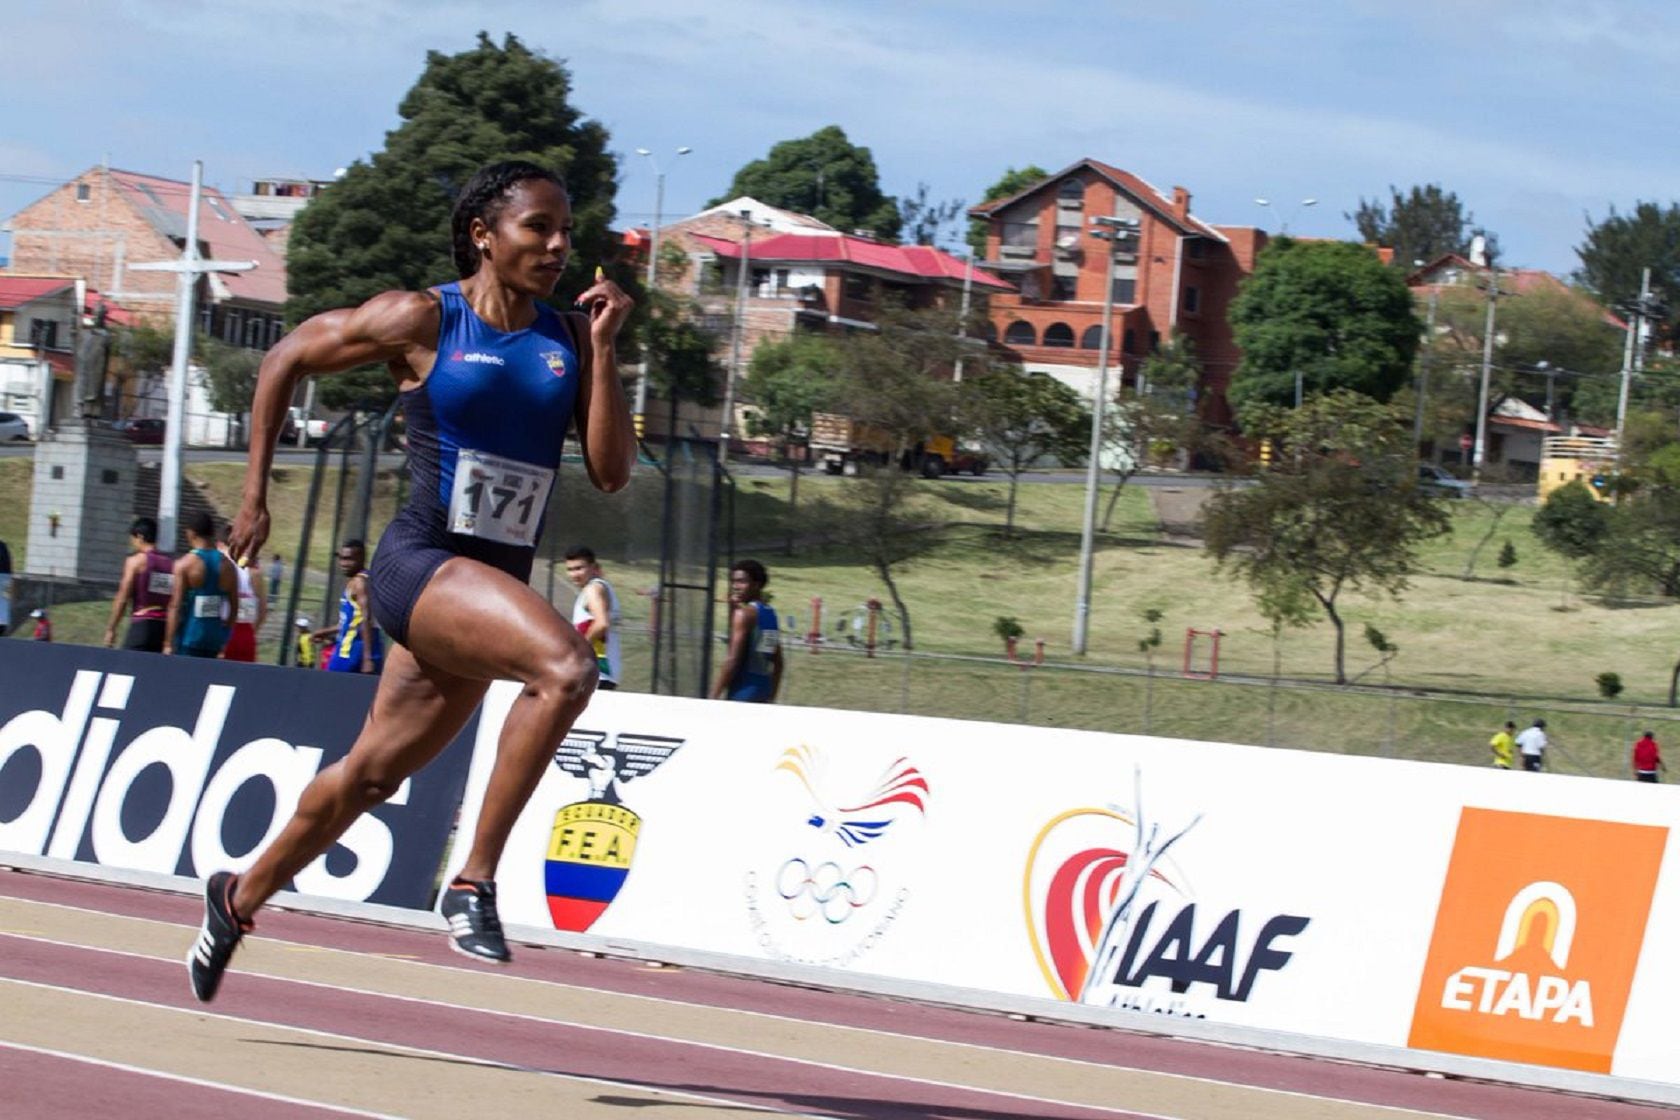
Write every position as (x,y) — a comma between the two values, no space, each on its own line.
(843,446)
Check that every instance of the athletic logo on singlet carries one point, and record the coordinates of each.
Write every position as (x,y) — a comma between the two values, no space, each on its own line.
(498,499)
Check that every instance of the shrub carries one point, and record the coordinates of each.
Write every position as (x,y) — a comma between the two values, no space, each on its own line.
(1508,555)
(1007,627)
(1609,685)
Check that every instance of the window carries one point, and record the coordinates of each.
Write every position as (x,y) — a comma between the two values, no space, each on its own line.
(1192,300)
(1125,289)
(1020,334)
(860,288)
(1070,193)
(43,334)
(274,330)
(1058,334)
(1154,341)
(1019,239)
(1064,287)
(82,192)
(1091,339)
(230,327)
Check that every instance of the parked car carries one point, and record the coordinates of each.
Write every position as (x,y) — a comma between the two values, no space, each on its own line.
(1442,483)
(141,429)
(314,431)
(13,426)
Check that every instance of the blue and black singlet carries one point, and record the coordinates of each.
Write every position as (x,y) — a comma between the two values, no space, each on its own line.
(485,432)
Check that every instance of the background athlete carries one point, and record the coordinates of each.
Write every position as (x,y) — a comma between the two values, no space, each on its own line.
(357,647)
(147,582)
(491,381)
(752,670)
(595,612)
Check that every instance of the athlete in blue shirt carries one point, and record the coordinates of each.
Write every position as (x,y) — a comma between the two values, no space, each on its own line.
(752,670)
(356,644)
(491,378)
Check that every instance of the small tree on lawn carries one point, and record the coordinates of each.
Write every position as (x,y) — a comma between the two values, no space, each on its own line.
(1340,509)
(789,381)
(1023,417)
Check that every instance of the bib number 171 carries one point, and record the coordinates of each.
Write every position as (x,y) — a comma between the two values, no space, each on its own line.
(498,499)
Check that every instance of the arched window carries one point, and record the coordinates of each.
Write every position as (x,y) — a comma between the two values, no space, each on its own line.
(1020,333)
(1058,334)
(1091,339)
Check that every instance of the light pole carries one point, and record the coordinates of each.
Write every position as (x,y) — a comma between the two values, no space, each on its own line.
(1267,203)
(638,414)
(734,371)
(1112,230)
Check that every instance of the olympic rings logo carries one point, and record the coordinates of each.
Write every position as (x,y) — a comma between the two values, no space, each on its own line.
(825,889)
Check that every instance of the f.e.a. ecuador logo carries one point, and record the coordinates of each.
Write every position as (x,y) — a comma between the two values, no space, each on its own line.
(1113,922)
(1537,938)
(594,841)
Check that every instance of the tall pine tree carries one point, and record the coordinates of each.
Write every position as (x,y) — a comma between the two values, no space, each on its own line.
(385,224)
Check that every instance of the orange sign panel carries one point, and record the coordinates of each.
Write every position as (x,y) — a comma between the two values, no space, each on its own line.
(1537,938)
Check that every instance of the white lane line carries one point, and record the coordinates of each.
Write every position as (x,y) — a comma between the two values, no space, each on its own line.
(1395,1110)
(376,1044)
(182,1079)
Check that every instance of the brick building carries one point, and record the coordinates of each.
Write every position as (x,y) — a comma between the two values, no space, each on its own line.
(801,275)
(104,220)
(1177,273)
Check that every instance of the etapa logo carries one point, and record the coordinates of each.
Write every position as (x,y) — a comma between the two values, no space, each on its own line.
(1112,919)
(839,863)
(593,841)
(1537,938)
(100,794)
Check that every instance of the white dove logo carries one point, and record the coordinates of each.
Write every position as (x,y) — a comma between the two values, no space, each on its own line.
(900,786)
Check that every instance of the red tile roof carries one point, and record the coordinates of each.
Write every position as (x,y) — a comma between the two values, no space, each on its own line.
(227,235)
(15,291)
(923,262)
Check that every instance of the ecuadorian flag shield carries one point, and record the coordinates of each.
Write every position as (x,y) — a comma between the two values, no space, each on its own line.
(589,854)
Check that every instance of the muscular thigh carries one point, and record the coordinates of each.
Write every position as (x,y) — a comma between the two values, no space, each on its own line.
(417,710)
(478,622)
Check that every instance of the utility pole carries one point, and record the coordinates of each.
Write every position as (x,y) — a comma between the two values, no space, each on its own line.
(1110,231)
(1480,448)
(638,413)
(962,318)
(1632,357)
(1423,367)
(189,268)
(740,331)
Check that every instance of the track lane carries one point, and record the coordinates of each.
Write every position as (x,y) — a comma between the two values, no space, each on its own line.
(1089,1065)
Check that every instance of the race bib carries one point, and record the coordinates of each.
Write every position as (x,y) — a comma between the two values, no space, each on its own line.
(207,606)
(160,583)
(769,641)
(497,499)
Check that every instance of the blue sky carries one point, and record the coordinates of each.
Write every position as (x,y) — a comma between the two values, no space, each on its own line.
(1537,114)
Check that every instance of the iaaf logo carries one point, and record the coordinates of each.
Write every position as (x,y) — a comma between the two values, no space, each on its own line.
(1113,922)
(1541,918)
(851,858)
(86,793)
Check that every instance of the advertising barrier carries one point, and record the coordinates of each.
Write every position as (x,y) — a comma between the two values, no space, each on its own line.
(183,766)
(1489,914)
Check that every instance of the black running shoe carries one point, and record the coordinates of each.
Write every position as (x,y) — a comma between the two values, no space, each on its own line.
(474,926)
(217,938)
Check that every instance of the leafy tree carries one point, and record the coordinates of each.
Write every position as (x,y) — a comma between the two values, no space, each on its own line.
(682,354)
(230,373)
(385,224)
(1615,251)
(1420,225)
(789,380)
(1022,417)
(923,221)
(1340,510)
(824,175)
(1329,311)
(1013,182)
(1572,522)
(894,382)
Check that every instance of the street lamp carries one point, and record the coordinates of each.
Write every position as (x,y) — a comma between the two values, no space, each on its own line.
(653,273)
(1115,231)
(1267,203)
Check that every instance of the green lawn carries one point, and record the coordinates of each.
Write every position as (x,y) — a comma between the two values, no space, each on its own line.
(1503,640)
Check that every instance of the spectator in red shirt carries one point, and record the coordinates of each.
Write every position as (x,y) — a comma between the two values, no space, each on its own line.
(1647,759)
